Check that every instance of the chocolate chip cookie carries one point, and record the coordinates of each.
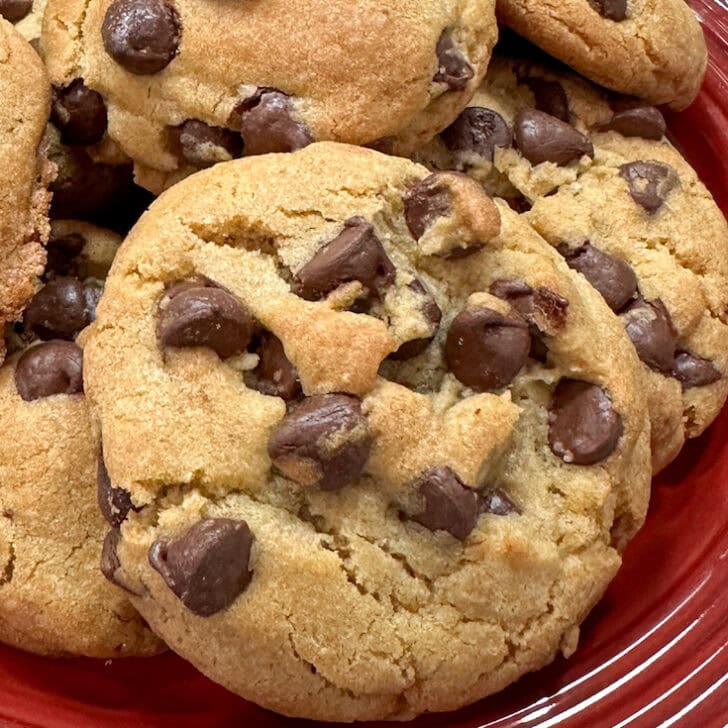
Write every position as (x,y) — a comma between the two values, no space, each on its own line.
(53,599)
(26,16)
(653,50)
(189,83)
(375,449)
(24,202)
(597,178)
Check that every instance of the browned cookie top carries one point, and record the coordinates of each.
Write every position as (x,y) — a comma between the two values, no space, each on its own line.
(190,83)
(359,434)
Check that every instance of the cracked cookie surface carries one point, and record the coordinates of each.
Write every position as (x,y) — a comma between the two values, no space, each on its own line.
(630,215)
(652,49)
(53,598)
(191,83)
(25,198)
(372,458)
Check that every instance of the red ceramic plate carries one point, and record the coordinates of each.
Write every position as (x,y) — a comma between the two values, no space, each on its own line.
(653,653)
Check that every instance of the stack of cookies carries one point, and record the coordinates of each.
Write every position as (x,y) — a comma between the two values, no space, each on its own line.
(363,414)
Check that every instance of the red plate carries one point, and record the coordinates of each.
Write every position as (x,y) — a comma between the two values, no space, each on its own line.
(653,653)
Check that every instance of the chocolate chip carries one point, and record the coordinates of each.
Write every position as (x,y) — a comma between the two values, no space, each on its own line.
(324,441)
(550,97)
(649,326)
(266,122)
(453,68)
(62,252)
(54,367)
(693,371)
(202,145)
(98,192)
(477,130)
(498,503)
(611,276)
(543,138)
(447,503)
(58,311)
(142,36)
(485,350)
(79,113)
(611,9)
(432,313)
(518,203)
(110,563)
(274,375)
(15,10)
(208,317)
(425,202)
(208,566)
(114,503)
(584,428)
(539,307)
(550,306)
(355,254)
(642,121)
(649,183)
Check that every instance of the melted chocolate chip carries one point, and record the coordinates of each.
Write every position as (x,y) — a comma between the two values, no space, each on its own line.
(114,503)
(611,276)
(432,313)
(498,503)
(694,371)
(533,305)
(208,566)
(611,9)
(649,326)
(477,130)
(15,10)
(110,563)
(274,375)
(142,36)
(355,254)
(426,201)
(550,97)
(202,145)
(649,183)
(453,68)
(59,310)
(62,252)
(584,428)
(324,441)
(448,504)
(101,193)
(642,121)
(485,350)
(266,123)
(79,113)
(541,138)
(54,367)
(208,317)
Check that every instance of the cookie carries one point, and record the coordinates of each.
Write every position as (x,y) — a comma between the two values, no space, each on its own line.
(375,460)
(24,201)
(192,83)
(653,50)
(53,598)
(26,16)
(603,185)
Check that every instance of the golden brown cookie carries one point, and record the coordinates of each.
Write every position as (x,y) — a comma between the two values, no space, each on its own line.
(191,83)
(375,460)
(653,49)
(598,179)
(53,597)
(24,198)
